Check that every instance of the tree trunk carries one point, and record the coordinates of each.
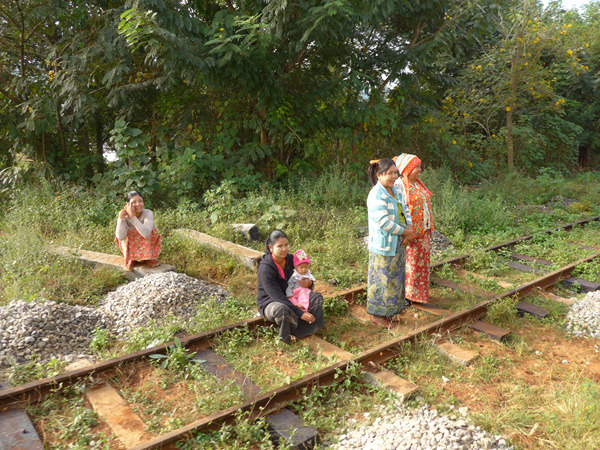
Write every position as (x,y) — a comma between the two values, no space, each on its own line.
(514,86)
(61,133)
(99,141)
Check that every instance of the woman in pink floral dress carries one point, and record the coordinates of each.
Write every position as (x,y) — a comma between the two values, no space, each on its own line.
(136,236)
(418,199)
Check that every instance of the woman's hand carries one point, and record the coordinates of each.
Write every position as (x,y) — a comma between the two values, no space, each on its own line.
(408,234)
(305,282)
(308,317)
(129,210)
(123,214)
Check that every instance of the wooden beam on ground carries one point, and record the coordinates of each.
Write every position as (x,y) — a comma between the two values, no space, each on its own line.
(456,354)
(556,298)
(586,286)
(501,283)
(525,268)
(250,258)
(326,349)
(492,331)
(533,310)
(111,261)
(462,287)
(284,426)
(518,257)
(431,309)
(16,430)
(220,368)
(384,378)
(112,408)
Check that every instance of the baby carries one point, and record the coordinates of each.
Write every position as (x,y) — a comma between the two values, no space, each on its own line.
(296,294)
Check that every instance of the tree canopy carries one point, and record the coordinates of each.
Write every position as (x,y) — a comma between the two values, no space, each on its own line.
(189,93)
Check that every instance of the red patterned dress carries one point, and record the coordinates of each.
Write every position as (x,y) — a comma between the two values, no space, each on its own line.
(418,252)
(138,240)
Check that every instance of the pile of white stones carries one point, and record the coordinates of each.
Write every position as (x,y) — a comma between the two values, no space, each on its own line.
(584,317)
(401,427)
(40,331)
(155,297)
(46,330)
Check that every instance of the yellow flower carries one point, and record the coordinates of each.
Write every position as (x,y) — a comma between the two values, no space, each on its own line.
(508,108)
(570,52)
(454,142)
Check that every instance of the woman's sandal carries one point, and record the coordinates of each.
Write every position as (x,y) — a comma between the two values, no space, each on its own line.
(153,263)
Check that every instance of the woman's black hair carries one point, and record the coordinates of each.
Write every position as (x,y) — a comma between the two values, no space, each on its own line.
(274,237)
(380,167)
(132,194)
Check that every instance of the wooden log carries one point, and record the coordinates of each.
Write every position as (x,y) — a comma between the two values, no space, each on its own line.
(111,261)
(248,257)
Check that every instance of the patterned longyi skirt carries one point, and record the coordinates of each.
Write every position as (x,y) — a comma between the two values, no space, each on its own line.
(385,292)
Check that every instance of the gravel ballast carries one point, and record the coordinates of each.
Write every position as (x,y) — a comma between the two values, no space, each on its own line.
(155,297)
(401,427)
(40,331)
(584,317)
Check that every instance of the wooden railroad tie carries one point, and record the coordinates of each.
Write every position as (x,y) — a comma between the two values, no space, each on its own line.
(16,430)
(382,378)
(284,426)
(586,286)
(462,287)
(496,333)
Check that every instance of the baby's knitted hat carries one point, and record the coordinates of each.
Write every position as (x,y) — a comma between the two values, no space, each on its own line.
(300,257)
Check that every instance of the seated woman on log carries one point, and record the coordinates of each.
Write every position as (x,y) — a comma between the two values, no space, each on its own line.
(275,269)
(136,236)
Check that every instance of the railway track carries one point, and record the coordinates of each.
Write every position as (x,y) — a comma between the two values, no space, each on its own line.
(372,360)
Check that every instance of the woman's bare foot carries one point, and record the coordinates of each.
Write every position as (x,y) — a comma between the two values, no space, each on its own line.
(380,321)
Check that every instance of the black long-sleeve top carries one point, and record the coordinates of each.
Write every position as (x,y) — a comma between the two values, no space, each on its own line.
(271,286)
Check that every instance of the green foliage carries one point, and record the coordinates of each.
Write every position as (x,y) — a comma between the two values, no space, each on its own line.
(33,371)
(176,357)
(101,340)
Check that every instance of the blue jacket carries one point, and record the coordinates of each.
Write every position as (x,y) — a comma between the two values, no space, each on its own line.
(385,225)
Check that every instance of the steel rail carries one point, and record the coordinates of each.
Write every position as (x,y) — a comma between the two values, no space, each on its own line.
(36,390)
(276,399)
(268,402)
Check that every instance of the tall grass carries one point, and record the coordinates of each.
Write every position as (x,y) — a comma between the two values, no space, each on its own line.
(324,214)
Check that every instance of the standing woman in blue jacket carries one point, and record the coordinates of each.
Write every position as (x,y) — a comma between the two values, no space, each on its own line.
(390,228)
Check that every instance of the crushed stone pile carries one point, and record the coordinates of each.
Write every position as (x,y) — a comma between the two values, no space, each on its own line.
(155,297)
(583,318)
(46,330)
(401,427)
(40,331)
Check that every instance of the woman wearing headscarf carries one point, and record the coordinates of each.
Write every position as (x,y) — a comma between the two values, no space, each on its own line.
(418,252)
(389,229)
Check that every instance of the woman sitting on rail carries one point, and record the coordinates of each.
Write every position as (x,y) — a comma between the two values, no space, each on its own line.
(390,227)
(136,236)
(418,199)
(275,269)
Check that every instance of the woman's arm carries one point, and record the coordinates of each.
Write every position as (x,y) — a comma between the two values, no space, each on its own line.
(122,228)
(145,227)
(268,280)
(380,214)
